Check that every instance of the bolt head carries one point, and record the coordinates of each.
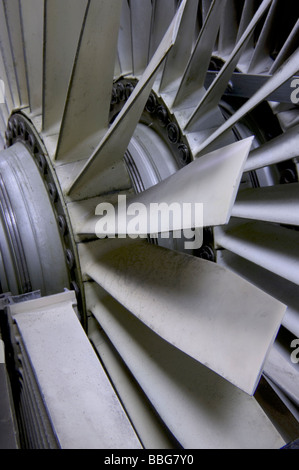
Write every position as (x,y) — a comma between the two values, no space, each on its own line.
(162,116)
(151,104)
(173,132)
(70,260)
(62,224)
(129,90)
(184,154)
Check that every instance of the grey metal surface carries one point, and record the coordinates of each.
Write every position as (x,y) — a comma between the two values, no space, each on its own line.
(208,306)
(80,403)
(31,220)
(201,409)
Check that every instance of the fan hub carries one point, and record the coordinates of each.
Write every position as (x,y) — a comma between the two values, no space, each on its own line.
(38,237)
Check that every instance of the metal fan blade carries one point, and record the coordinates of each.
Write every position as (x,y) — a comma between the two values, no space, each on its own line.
(86,112)
(124,47)
(7,67)
(270,246)
(276,286)
(284,147)
(278,204)
(200,408)
(178,57)
(63,25)
(191,87)
(288,70)
(114,144)
(141,14)
(14,45)
(288,48)
(32,17)
(191,303)
(261,59)
(203,116)
(163,13)
(211,180)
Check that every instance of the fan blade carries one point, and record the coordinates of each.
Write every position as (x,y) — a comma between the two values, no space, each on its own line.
(13,24)
(278,204)
(192,83)
(211,180)
(124,46)
(279,288)
(32,17)
(63,25)
(204,115)
(114,144)
(261,60)
(163,13)
(200,408)
(287,71)
(141,14)
(86,112)
(11,83)
(150,429)
(284,147)
(288,48)
(7,101)
(178,57)
(272,247)
(206,306)
(228,29)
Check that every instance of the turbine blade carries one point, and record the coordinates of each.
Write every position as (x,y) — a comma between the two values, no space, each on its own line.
(193,80)
(204,115)
(211,180)
(13,23)
(63,24)
(193,304)
(141,14)
(112,148)
(32,17)
(287,71)
(163,13)
(279,204)
(270,246)
(124,46)
(86,112)
(178,57)
(192,401)
(282,148)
